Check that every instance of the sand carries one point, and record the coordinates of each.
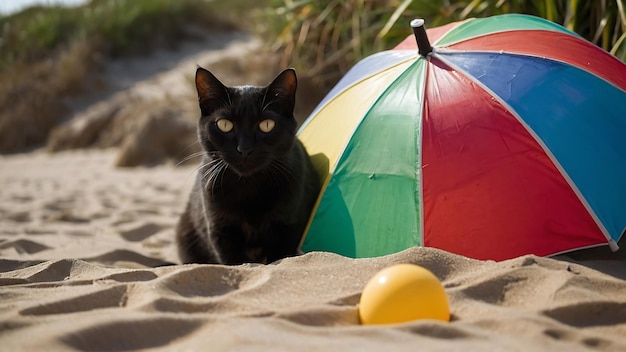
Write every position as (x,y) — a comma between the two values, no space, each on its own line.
(88,262)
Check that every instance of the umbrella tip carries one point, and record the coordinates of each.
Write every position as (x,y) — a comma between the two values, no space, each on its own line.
(419,30)
(417,22)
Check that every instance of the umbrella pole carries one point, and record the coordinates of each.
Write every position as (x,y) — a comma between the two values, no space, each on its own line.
(423,44)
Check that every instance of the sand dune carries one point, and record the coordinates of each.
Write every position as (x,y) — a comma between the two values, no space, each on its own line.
(85,249)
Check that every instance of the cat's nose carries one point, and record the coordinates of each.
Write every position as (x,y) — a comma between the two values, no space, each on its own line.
(244,151)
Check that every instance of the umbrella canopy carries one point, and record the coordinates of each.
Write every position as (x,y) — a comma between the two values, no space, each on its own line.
(505,138)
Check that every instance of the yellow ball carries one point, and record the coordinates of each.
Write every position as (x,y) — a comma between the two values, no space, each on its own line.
(401,293)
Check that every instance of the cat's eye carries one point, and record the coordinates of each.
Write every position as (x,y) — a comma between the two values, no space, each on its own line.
(224,125)
(267,125)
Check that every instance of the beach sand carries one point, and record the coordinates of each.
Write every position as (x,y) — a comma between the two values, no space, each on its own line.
(86,264)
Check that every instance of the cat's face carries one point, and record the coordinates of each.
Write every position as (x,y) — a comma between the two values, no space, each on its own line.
(247,127)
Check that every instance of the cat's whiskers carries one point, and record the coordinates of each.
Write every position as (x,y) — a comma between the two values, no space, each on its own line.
(212,174)
(193,155)
(206,165)
(270,172)
(279,168)
(189,157)
(224,168)
(211,168)
(214,170)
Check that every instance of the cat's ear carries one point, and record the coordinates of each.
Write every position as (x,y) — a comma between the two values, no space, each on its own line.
(284,88)
(212,94)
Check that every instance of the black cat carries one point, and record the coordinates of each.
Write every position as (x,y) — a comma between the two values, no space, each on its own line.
(256,184)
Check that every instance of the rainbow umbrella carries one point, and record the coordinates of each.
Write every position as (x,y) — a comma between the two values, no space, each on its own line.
(505,137)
